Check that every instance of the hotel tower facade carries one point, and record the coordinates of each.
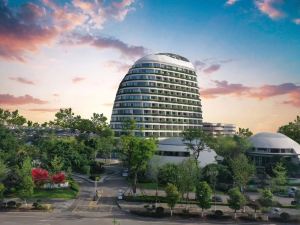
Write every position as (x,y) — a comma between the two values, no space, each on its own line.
(160,92)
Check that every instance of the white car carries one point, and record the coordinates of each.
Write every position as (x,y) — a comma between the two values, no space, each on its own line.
(275,211)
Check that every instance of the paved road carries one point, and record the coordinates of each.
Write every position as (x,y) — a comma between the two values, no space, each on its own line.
(87,212)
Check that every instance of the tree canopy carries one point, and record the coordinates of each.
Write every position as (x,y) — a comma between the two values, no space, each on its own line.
(292,129)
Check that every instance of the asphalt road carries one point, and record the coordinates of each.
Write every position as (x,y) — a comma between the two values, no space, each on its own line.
(87,212)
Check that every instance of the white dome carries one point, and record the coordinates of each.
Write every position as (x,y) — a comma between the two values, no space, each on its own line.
(274,140)
(168,58)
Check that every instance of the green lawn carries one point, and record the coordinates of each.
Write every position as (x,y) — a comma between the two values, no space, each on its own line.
(54,193)
(150,185)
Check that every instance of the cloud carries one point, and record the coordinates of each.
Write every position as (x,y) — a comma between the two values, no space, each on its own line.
(212,68)
(44,110)
(117,66)
(224,88)
(25,29)
(22,80)
(297,21)
(267,7)
(78,79)
(21,32)
(8,99)
(231,2)
(291,90)
(100,42)
(210,65)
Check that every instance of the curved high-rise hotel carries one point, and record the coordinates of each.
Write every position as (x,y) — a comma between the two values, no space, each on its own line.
(160,92)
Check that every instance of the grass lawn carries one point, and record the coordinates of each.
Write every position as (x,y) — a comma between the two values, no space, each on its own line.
(65,193)
(150,185)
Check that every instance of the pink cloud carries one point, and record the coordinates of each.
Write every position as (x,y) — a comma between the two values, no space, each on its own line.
(267,7)
(8,99)
(224,88)
(297,21)
(212,68)
(22,80)
(78,79)
(291,90)
(231,2)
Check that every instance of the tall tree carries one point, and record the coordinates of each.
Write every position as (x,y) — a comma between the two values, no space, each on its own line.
(236,200)
(26,184)
(242,171)
(196,141)
(188,174)
(137,151)
(203,196)
(172,196)
(57,164)
(280,176)
(292,129)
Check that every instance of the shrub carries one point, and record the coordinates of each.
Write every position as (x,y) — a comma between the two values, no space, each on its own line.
(37,205)
(58,178)
(39,176)
(74,186)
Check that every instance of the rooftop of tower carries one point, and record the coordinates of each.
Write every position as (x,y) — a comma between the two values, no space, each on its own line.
(168,58)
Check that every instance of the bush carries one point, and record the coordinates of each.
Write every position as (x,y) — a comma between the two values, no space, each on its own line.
(285,216)
(37,205)
(74,186)
(219,213)
(223,187)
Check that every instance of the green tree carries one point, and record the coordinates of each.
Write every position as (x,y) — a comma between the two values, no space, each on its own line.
(236,200)
(8,146)
(196,141)
(292,129)
(242,170)
(137,152)
(172,196)
(279,178)
(57,164)
(26,184)
(3,170)
(266,198)
(203,196)
(168,173)
(188,174)
(230,147)
(2,189)
(244,132)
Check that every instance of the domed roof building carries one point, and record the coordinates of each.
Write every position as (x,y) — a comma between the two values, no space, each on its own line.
(267,145)
(160,92)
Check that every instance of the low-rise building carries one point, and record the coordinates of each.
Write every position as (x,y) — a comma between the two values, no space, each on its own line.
(219,129)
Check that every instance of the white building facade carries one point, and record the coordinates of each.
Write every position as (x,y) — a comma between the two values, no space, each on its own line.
(219,129)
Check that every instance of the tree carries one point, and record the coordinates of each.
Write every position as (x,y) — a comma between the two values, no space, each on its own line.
(172,196)
(196,140)
(242,170)
(244,132)
(236,200)
(8,146)
(231,147)
(3,170)
(188,174)
(279,178)
(211,171)
(26,183)
(266,198)
(56,164)
(203,196)
(137,151)
(292,129)
(2,189)
(168,173)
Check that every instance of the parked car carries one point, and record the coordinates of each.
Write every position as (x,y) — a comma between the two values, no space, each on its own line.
(125,173)
(120,194)
(216,198)
(275,212)
(292,191)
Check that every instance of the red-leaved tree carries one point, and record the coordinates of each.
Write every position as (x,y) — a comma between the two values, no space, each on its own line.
(39,176)
(58,178)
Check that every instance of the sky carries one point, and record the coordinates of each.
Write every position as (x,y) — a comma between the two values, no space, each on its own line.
(74,53)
